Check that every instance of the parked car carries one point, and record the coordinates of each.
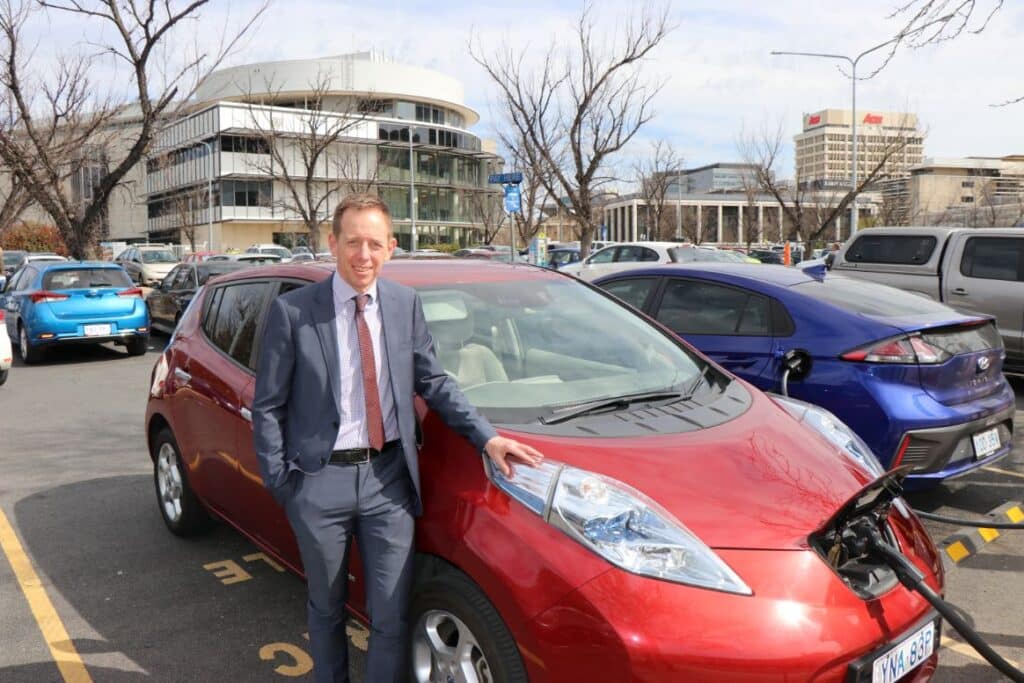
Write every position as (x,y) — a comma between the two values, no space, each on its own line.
(147,265)
(660,533)
(766,256)
(171,297)
(619,257)
(562,257)
(970,269)
(275,249)
(918,381)
(6,355)
(11,261)
(303,257)
(55,304)
(198,256)
(252,258)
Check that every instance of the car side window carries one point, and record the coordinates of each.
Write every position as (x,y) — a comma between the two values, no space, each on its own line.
(191,280)
(893,249)
(993,258)
(630,254)
(648,255)
(234,317)
(27,275)
(604,256)
(691,307)
(634,291)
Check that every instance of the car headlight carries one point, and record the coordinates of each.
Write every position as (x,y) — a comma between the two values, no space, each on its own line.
(619,523)
(833,429)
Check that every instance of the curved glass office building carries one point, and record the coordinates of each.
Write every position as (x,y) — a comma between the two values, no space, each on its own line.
(399,130)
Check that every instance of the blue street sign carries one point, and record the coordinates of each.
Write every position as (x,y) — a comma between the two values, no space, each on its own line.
(505,178)
(513,199)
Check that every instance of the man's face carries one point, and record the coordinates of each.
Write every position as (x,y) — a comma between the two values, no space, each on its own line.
(362,247)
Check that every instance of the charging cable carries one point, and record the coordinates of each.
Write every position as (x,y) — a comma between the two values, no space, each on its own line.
(981,524)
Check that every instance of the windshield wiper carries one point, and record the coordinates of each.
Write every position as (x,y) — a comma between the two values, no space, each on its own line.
(617,403)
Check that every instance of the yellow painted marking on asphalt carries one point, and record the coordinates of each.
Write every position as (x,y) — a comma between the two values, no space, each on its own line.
(302,662)
(1015,515)
(1002,471)
(988,534)
(262,556)
(62,649)
(957,551)
(968,651)
(228,571)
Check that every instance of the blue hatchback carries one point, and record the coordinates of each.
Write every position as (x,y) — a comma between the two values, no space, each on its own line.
(50,304)
(921,383)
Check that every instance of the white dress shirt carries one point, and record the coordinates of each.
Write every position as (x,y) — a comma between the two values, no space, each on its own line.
(353,432)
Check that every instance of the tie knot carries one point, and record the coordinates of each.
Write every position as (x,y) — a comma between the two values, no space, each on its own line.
(361,301)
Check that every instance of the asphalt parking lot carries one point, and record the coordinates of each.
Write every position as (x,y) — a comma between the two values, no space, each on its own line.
(93,587)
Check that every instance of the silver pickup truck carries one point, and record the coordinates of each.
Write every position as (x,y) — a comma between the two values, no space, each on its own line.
(970,269)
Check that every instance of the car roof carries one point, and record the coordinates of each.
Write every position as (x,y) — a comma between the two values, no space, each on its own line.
(72,265)
(414,273)
(762,273)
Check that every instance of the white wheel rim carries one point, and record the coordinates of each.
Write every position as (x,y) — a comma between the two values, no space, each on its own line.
(168,480)
(24,343)
(444,650)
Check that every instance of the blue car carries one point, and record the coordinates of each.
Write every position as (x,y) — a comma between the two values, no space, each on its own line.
(52,304)
(919,382)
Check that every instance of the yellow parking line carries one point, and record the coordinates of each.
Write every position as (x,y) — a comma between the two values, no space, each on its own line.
(61,648)
(1002,471)
(968,651)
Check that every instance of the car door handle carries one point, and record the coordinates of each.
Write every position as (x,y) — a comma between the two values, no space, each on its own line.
(960,291)
(182,376)
(245,413)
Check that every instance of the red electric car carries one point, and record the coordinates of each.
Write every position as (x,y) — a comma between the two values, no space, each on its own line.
(684,527)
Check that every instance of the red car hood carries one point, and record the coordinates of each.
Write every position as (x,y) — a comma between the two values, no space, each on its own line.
(760,481)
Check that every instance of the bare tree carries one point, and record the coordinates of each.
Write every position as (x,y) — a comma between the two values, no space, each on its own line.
(808,212)
(654,175)
(14,199)
(61,131)
(582,107)
(485,209)
(310,150)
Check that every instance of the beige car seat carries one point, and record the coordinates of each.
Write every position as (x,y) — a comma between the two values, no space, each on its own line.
(469,363)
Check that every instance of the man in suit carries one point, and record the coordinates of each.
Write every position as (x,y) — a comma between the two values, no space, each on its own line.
(334,427)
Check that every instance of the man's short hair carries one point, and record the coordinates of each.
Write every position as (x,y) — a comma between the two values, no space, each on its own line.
(359,201)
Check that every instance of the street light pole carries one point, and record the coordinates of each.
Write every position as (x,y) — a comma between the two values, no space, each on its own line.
(209,195)
(679,205)
(412,195)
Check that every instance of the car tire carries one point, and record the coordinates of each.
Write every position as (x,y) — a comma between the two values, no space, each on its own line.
(458,634)
(29,352)
(137,345)
(182,512)
(3,376)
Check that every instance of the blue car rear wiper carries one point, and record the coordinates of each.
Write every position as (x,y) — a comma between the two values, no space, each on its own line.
(617,403)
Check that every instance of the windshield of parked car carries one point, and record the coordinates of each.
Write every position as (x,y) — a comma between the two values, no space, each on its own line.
(85,278)
(161,256)
(13,258)
(523,350)
(869,298)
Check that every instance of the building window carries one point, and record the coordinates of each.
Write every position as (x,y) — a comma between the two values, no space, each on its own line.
(246,193)
(966,183)
(967,199)
(242,144)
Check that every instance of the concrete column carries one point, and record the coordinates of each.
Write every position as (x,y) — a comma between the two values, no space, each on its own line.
(636,230)
(760,223)
(718,236)
(839,227)
(700,222)
(739,223)
(782,228)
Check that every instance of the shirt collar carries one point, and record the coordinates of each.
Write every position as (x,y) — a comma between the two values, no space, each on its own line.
(343,291)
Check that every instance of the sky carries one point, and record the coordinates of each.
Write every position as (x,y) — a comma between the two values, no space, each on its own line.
(719,79)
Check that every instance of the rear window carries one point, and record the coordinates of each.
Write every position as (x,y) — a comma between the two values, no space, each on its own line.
(85,278)
(158,257)
(869,298)
(895,249)
(13,258)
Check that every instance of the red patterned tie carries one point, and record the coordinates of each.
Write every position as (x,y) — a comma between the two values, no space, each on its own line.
(371,395)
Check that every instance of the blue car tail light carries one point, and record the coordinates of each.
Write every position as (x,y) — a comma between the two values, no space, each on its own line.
(43,296)
(908,349)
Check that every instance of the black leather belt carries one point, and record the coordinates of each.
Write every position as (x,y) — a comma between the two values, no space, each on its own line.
(360,456)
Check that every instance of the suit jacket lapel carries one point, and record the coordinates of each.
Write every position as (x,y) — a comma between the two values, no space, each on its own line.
(327,330)
(392,327)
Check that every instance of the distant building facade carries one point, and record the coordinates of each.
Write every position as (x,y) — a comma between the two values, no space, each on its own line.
(408,138)
(964,192)
(824,149)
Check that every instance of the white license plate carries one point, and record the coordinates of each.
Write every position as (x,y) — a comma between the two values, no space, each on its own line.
(986,442)
(96,330)
(901,660)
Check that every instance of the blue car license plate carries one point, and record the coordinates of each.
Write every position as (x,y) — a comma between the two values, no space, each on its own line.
(986,442)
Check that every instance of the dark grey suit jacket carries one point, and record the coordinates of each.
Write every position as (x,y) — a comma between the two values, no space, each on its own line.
(296,413)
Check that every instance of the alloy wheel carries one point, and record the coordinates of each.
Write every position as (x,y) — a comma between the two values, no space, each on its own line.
(168,478)
(444,650)
(23,343)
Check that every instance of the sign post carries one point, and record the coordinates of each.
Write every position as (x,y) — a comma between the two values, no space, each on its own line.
(513,201)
